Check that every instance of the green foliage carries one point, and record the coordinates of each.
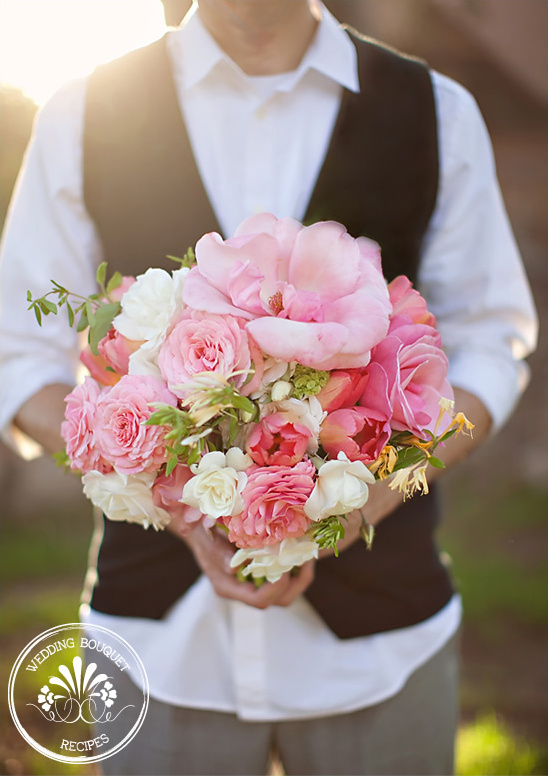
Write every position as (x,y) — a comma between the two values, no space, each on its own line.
(96,311)
(187,442)
(489,747)
(188,260)
(328,532)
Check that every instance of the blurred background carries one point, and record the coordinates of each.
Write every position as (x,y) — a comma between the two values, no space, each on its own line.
(495,529)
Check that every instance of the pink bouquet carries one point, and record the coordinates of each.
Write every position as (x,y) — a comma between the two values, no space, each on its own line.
(261,387)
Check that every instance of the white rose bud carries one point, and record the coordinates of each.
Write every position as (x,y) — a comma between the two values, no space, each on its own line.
(280,390)
(275,559)
(341,487)
(216,487)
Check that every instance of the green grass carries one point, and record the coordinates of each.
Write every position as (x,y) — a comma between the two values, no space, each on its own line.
(488,748)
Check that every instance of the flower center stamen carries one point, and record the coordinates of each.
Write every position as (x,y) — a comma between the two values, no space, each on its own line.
(276,303)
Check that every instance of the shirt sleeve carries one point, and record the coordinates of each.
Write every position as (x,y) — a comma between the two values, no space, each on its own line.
(471,272)
(48,235)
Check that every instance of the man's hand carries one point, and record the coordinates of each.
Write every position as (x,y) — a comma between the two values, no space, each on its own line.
(213,553)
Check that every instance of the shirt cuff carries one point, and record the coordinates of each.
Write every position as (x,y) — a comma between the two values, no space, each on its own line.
(497,382)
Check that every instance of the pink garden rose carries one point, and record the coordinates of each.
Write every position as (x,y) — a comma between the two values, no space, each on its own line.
(310,294)
(201,342)
(407,301)
(274,499)
(167,491)
(360,432)
(120,433)
(78,428)
(416,367)
(278,440)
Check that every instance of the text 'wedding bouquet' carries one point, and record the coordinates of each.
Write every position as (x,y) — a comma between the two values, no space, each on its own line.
(262,388)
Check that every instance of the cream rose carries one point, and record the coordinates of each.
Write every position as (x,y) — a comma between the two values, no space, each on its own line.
(126,497)
(276,559)
(341,486)
(218,482)
(150,304)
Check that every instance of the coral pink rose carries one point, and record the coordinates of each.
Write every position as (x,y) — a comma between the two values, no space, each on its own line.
(112,360)
(78,428)
(278,440)
(274,499)
(311,294)
(343,389)
(416,367)
(407,301)
(120,431)
(98,367)
(167,491)
(360,432)
(200,342)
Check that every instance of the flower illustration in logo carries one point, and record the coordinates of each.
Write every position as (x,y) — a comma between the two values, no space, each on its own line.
(46,698)
(108,694)
(77,694)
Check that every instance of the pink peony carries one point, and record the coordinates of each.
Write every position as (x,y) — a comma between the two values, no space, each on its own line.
(167,492)
(200,342)
(416,368)
(361,432)
(407,301)
(78,428)
(343,389)
(310,294)
(278,440)
(116,350)
(274,499)
(120,431)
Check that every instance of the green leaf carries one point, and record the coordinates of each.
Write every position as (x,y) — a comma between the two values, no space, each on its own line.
(100,326)
(83,321)
(101,274)
(70,313)
(47,306)
(29,296)
(38,314)
(89,312)
(114,282)
(437,463)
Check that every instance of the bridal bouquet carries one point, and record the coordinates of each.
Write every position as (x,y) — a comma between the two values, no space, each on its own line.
(261,387)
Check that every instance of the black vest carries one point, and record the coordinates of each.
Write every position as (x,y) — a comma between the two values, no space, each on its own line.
(379,178)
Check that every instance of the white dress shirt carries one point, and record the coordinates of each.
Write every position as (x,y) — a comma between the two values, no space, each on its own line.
(259,144)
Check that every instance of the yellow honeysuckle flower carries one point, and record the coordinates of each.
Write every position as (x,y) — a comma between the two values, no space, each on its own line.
(384,465)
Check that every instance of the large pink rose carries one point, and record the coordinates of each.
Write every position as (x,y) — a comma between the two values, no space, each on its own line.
(311,294)
(360,432)
(416,368)
(201,342)
(120,431)
(278,440)
(167,491)
(274,499)
(78,428)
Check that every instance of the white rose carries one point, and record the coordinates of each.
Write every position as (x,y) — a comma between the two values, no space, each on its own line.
(144,361)
(218,482)
(125,497)
(276,559)
(149,305)
(341,486)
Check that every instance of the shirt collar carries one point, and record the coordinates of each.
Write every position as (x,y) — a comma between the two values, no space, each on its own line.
(331,53)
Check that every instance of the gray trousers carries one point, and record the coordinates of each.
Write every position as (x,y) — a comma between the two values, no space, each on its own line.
(410,733)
